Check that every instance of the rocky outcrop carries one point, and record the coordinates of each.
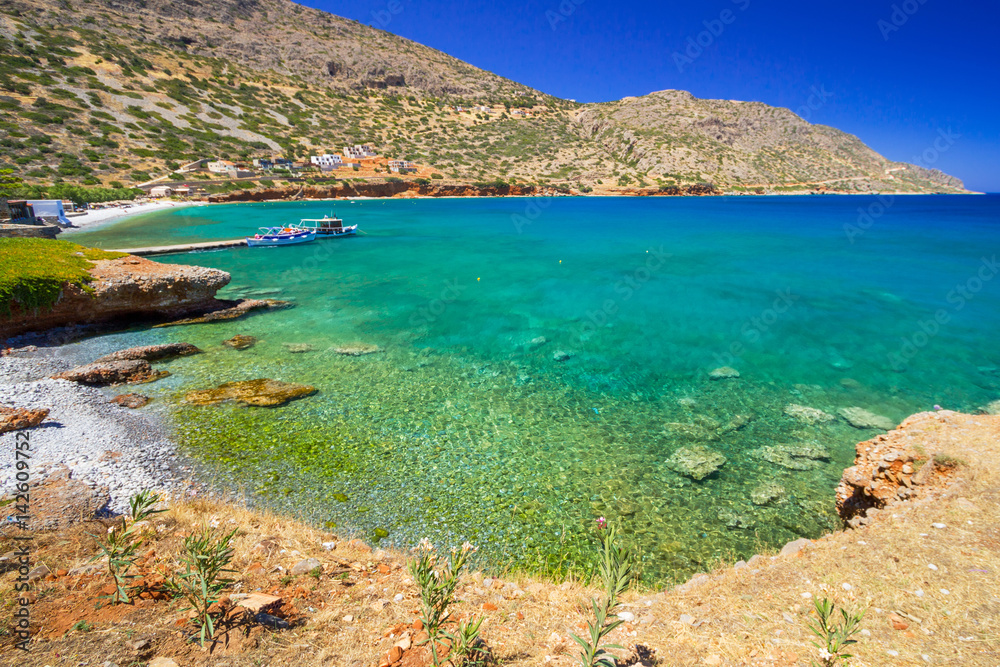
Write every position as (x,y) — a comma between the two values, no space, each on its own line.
(15,419)
(240,342)
(696,462)
(258,393)
(896,466)
(151,353)
(863,419)
(108,373)
(125,290)
(130,400)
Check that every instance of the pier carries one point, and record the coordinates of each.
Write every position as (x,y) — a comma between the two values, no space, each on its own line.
(183,247)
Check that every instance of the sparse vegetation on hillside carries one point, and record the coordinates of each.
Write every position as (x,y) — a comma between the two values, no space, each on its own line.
(87,97)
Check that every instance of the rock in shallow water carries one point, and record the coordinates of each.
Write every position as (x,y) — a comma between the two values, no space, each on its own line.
(696,462)
(151,353)
(258,393)
(560,355)
(794,457)
(240,342)
(808,415)
(298,348)
(724,373)
(356,349)
(767,493)
(861,418)
(130,400)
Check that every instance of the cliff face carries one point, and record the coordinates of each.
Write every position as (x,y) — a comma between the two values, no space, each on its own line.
(126,288)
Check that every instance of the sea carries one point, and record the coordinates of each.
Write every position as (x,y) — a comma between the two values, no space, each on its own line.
(546,362)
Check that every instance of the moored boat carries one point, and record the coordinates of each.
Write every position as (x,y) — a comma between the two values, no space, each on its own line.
(325,226)
(277,236)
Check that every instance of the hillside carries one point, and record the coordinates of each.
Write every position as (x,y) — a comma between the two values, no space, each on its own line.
(99,91)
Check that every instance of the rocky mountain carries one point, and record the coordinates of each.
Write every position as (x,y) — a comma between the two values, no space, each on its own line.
(104,91)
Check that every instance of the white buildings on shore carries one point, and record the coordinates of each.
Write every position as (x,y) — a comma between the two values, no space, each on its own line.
(401,166)
(359,152)
(327,160)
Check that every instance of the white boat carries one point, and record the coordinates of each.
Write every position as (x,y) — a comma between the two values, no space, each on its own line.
(275,236)
(325,226)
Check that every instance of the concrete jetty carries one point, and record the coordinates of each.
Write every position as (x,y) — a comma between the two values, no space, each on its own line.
(183,247)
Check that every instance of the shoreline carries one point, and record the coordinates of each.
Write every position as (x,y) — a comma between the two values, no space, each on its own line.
(97,218)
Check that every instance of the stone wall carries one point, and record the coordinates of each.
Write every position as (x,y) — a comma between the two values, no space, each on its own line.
(29,231)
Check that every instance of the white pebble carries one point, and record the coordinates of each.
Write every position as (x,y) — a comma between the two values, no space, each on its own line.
(807,595)
(945,591)
(893,653)
(626,616)
(938,525)
(932,566)
(847,587)
(398,597)
(919,593)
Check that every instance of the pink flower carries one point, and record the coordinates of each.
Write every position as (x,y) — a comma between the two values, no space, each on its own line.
(601,523)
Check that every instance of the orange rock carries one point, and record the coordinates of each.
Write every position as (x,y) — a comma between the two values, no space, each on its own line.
(420,638)
(418,625)
(520,616)
(489,606)
(384,569)
(254,567)
(61,572)
(897,622)
(395,654)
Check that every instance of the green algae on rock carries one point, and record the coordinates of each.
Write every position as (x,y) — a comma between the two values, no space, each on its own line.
(356,349)
(696,462)
(794,457)
(262,392)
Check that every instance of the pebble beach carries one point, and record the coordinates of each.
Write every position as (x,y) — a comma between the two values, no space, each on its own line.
(102,444)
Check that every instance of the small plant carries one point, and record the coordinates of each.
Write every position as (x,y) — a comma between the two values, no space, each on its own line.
(82,626)
(205,557)
(835,635)
(121,544)
(616,569)
(437,578)
(467,648)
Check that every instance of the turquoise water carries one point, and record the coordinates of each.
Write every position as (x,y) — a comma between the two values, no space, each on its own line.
(465,426)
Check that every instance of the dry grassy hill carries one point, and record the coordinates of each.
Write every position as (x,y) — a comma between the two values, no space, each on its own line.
(97,91)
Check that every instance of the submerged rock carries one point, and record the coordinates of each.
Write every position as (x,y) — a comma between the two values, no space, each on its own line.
(15,419)
(240,342)
(231,312)
(724,373)
(130,400)
(357,349)
(767,493)
(696,462)
(298,348)
(808,415)
(560,355)
(992,408)
(734,519)
(704,432)
(151,353)
(861,418)
(735,424)
(107,373)
(258,393)
(794,457)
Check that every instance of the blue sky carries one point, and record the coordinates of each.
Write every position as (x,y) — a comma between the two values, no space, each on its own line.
(897,73)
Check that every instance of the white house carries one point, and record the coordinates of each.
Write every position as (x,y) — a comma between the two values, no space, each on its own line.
(221,167)
(483,109)
(397,166)
(327,160)
(50,208)
(358,152)
(161,191)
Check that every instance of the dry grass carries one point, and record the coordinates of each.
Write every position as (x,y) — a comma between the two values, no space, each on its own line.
(754,616)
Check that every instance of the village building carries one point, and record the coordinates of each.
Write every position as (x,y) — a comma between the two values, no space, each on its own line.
(221,167)
(401,166)
(161,191)
(326,162)
(359,152)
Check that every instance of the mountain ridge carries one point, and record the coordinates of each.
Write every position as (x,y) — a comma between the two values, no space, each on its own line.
(100,91)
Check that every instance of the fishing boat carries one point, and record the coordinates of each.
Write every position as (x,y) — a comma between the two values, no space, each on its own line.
(275,236)
(325,226)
